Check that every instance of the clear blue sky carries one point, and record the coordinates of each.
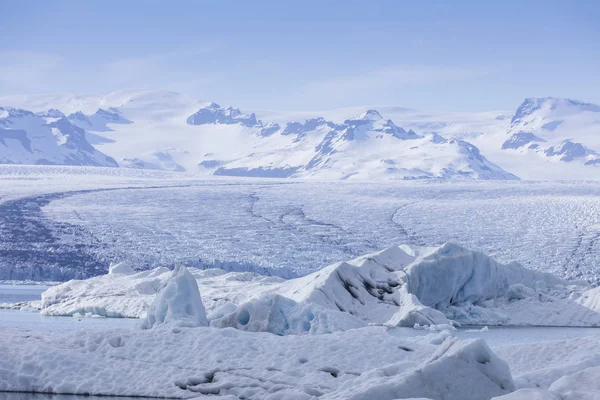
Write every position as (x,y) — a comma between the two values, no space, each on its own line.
(307,55)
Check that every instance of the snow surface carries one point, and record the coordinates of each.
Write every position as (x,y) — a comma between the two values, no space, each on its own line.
(554,370)
(362,363)
(186,362)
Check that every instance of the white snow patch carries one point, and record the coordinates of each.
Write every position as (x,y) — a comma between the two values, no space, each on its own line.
(458,370)
(582,385)
(120,268)
(530,394)
(185,363)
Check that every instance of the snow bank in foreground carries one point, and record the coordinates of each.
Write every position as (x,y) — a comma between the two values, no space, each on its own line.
(177,303)
(363,363)
(582,385)
(399,286)
(458,370)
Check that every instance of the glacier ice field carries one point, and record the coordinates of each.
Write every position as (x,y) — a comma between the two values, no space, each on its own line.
(289,228)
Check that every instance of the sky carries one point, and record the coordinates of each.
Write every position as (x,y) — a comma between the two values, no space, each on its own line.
(307,55)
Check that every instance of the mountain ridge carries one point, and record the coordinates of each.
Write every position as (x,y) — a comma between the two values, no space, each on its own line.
(545,126)
(170,131)
(28,138)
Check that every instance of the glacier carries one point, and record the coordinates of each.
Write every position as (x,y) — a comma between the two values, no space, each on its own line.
(292,229)
(57,226)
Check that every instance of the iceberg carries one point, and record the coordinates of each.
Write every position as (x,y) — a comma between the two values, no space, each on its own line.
(178,303)
(398,286)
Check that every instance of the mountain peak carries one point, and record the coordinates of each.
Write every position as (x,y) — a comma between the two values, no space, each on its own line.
(215,114)
(46,139)
(52,113)
(370,115)
(532,104)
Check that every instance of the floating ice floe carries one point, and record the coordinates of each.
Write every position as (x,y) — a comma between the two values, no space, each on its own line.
(111,295)
(400,286)
(130,296)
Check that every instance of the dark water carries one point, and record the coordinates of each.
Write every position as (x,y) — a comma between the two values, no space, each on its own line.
(19,293)
(36,322)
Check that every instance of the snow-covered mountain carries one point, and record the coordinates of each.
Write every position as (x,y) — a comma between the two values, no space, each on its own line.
(364,147)
(557,129)
(45,138)
(367,146)
(168,131)
(545,139)
(571,130)
(99,120)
